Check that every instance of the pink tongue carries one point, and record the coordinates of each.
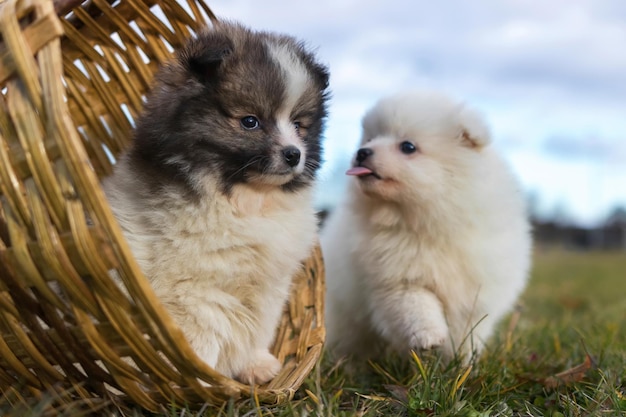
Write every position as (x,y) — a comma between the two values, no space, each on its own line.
(359,171)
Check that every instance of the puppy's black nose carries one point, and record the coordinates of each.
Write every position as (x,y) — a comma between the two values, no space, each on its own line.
(291,155)
(363,153)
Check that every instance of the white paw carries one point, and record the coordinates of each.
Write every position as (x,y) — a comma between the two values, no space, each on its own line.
(264,367)
(428,338)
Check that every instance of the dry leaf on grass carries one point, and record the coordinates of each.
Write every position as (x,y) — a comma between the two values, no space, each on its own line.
(399,392)
(575,374)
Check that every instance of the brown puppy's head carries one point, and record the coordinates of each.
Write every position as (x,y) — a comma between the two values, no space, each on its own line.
(235,106)
(418,147)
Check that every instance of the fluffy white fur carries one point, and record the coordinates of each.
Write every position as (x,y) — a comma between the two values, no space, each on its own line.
(437,250)
(222,268)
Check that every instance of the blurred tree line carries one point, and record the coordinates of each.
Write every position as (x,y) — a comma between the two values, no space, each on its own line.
(558,230)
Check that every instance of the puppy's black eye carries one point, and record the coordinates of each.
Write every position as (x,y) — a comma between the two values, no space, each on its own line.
(407,147)
(250,123)
(296,125)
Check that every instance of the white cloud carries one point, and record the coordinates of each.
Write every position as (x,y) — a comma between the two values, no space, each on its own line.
(588,192)
(587,148)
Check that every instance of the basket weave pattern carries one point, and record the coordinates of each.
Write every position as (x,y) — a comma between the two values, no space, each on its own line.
(71,87)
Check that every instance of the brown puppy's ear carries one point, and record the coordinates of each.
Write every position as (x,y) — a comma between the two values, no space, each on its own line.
(203,56)
(322,76)
(474,131)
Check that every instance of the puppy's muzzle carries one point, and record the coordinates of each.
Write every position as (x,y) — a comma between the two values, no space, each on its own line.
(291,155)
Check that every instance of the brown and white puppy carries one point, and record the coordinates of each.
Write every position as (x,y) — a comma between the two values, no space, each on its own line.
(215,193)
(431,246)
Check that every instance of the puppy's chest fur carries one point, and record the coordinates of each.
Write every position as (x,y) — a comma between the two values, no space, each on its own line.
(397,254)
(246,246)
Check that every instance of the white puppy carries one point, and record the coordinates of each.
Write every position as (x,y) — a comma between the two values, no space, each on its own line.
(431,246)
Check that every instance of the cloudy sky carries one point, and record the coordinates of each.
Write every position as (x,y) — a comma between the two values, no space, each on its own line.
(550,77)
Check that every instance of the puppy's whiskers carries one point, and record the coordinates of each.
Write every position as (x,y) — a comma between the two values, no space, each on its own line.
(311,168)
(255,159)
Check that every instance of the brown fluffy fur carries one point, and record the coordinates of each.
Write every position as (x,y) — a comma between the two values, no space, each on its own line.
(217,209)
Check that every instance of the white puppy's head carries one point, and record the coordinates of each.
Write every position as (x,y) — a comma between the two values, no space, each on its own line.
(417,147)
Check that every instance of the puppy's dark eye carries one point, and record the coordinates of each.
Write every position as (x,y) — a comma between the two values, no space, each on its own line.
(250,123)
(296,125)
(407,147)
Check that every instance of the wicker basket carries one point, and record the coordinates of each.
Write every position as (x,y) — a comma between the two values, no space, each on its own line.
(70,89)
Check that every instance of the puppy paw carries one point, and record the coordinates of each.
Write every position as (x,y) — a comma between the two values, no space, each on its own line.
(429,338)
(264,367)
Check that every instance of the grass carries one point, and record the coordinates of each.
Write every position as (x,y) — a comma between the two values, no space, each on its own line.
(562,354)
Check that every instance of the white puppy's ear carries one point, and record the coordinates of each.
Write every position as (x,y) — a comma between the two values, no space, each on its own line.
(474,130)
